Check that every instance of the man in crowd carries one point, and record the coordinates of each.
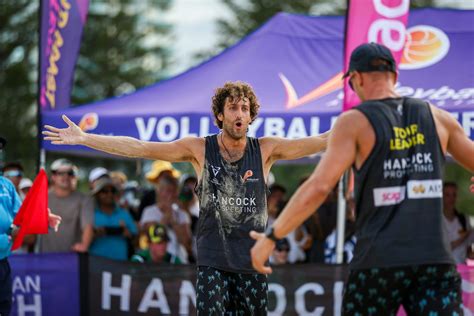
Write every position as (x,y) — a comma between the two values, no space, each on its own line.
(159,169)
(96,174)
(13,171)
(76,209)
(156,251)
(165,211)
(231,169)
(24,187)
(397,147)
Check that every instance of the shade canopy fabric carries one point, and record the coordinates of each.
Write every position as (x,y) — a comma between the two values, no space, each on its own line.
(294,62)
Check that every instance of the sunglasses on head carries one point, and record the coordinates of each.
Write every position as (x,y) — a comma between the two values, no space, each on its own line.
(62,173)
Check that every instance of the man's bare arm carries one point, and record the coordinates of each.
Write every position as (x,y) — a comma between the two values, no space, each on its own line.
(179,150)
(289,149)
(459,145)
(339,156)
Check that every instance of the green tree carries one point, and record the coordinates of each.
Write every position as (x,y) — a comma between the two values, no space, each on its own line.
(124,48)
(246,16)
(18,60)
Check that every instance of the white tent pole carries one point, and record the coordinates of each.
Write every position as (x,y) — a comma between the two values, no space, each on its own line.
(341,221)
(42,160)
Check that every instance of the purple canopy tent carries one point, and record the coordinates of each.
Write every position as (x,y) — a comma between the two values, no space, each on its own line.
(294,62)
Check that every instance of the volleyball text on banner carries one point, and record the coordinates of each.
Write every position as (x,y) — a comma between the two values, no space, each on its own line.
(32,217)
(62,22)
(379,21)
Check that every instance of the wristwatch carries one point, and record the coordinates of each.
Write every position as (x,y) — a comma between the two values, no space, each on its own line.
(270,234)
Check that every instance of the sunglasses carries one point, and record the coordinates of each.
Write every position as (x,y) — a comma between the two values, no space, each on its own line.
(107,191)
(13,173)
(70,173)
(350,83)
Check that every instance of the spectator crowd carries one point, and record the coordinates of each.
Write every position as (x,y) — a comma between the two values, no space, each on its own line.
(119,220)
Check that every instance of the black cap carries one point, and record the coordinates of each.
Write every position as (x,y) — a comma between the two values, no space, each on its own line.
(157,233)
(3,142)
(363,57)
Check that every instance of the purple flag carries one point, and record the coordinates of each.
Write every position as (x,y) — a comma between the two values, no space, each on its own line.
(62,22)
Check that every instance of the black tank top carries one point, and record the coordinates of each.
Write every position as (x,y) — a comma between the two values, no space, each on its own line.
(399,188)
(233,202)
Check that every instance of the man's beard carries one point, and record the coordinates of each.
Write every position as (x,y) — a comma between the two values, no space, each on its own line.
(235,135)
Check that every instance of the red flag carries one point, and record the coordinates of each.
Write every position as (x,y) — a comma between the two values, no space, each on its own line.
(33,214)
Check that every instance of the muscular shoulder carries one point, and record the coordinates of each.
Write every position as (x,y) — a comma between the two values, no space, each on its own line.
(195,147)
(352,120)
(442,117)
(268,144)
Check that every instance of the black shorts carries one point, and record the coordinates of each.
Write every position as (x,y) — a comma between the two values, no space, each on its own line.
(227,293)
(5,287)
(422,290)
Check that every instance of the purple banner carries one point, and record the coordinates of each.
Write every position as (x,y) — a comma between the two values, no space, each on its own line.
(46,284)
(123,288)
(294,63)
(62,22)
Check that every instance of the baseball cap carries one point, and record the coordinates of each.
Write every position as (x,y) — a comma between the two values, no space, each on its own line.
(157,233)
(25,183)
(96,173)
(103,183)
(158,167)
(363,57)
(62,163)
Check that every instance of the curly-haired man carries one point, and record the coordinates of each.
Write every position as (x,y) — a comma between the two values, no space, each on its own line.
(231,168)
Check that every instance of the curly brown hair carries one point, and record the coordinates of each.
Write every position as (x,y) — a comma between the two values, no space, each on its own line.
(234,91)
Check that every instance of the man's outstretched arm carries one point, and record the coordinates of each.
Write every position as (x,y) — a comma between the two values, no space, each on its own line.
(180,150)
(340,155)
(289,149)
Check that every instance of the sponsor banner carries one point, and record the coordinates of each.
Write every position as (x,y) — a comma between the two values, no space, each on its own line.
(375,21)
(61,31)
(389,196)
(45,284)
(48,284)
(122,288)
(425,189)
(169,127)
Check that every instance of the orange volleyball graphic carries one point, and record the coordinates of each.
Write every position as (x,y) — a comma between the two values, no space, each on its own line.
(247,175)
(425,45)
(89,122)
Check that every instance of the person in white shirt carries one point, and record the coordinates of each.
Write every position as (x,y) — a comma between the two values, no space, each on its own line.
(165,211)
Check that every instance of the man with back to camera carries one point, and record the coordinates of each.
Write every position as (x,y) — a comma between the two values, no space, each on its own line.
(231,170)
(397,147)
